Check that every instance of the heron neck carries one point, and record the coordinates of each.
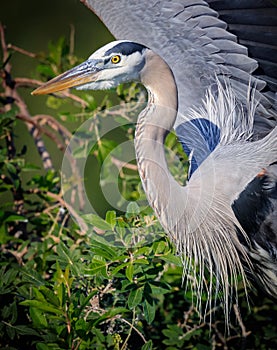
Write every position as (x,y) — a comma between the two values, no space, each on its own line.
(154,123)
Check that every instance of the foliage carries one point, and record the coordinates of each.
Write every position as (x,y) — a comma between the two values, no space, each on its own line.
(119,284)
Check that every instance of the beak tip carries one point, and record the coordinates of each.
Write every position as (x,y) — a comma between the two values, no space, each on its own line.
(35,92)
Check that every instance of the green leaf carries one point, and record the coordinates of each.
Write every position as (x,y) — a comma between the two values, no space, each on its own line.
(37,295)
(42,306)
(4,236)
(32,277)
(43,346)
(50,296)
(95,220)
(132,209)
(111,313)
(45,70)
(85,302)
(119,267)
(135,297)
(97,266)
(148,345)
(61,293)
(104,148)
(81,327)
(174,334)
(7,276)
(9,312)
(111,218)
(10,114)
(53,102)
(11,168)
(159,288)
(30,167)
(130,271)
(159,247)
(141,261)
(25,330)
(104,250)
(149,309)
(172,259)
(13,218)
(38,317)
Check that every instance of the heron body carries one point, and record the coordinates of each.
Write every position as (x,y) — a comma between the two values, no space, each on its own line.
(225,217)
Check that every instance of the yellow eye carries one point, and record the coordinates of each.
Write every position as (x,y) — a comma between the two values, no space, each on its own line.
(116,59)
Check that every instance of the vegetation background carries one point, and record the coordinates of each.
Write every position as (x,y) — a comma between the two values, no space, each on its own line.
(63,287)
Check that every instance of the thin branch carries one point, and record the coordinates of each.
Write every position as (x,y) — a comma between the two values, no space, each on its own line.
(27,82)
(42,130)
(120,164)
(220,336)
(22,51)
(72,39)
(81,222)
(134,328)
(17,253)
(194,329)
(54,124)
(3,43)
(12,92)
(242,326)
(75,98)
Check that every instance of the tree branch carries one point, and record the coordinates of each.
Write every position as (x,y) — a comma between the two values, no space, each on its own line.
(10,91)
(22,51)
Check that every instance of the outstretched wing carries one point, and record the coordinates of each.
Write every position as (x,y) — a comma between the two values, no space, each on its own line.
(255,25)
(193,39)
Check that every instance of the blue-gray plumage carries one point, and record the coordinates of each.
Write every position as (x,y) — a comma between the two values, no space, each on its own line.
(200,82)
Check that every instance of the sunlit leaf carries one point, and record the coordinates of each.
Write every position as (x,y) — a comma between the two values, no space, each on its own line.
(130,271)
(97,221)
(42,306)
(135,297)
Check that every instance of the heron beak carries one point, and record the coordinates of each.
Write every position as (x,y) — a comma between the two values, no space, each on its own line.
(84,73)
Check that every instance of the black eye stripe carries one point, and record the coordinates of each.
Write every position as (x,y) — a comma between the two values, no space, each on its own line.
(125,48)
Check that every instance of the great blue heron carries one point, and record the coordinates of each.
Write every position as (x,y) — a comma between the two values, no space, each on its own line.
(226,215)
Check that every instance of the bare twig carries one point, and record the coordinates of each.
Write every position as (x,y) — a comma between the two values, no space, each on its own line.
(220,336)
(134,328)
(12,92)
(75,98)
(81,222)
(41,130)
(22,51)
(27,82)
(120,164)
(54,124)
(244,333)
(72,39)
(17,253)
(3,43)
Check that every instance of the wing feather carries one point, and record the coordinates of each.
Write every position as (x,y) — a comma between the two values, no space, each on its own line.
(195,43)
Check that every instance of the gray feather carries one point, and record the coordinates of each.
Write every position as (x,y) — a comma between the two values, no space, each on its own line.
(180,32)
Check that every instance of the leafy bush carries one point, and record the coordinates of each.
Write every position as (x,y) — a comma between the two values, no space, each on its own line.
(117,284)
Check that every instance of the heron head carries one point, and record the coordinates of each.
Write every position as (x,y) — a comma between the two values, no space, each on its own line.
(111,65)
